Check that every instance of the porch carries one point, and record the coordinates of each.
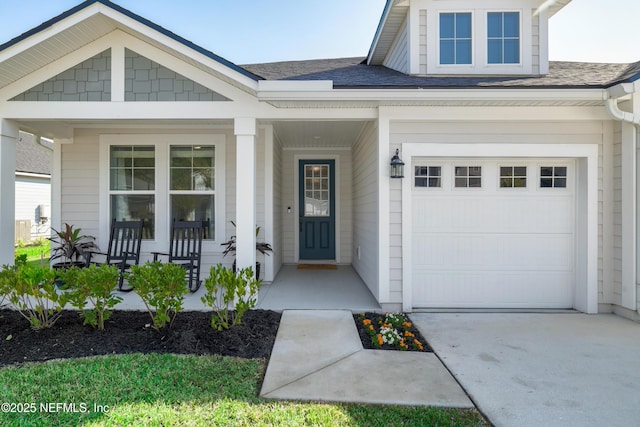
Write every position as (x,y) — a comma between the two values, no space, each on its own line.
(293,289)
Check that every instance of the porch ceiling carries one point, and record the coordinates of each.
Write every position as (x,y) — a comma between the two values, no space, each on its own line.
(315,134)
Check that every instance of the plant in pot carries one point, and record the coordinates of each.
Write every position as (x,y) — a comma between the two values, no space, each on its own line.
(230,248)
(71,247)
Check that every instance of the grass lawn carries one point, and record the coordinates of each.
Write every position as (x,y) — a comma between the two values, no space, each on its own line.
(167,390)
(34,252)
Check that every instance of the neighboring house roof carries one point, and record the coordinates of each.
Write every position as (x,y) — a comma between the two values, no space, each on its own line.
(353,73)
(33,156)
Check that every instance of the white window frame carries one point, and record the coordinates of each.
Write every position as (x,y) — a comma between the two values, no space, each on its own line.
(463,164)
(568,177)
(428,188)
(479,57)
(486,38)
(513,165)
(162,143)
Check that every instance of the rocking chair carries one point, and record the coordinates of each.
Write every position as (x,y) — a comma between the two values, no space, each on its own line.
(186,249)
(124,248)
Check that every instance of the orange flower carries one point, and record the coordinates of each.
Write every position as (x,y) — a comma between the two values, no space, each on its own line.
(408,334)
(371,327)
(366,322)
(380,340)
(407,324)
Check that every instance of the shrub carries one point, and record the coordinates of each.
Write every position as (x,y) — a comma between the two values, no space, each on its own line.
(20,259)
(7,281)
(93,285)
(35,296)
(223,288)
(161,287)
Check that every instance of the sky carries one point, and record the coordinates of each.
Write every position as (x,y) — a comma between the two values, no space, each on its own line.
(256,31)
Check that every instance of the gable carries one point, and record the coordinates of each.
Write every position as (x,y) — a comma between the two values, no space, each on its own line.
(61,43)
(87,81)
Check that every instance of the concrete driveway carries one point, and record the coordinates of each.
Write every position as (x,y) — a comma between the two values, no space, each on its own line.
(542,369)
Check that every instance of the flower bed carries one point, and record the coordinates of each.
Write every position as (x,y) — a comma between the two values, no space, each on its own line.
(389,331)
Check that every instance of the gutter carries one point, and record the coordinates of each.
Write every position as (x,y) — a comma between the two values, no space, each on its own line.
(614,95)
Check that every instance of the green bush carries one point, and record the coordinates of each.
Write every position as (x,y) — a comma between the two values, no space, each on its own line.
(223,288)
(8,280)
(161,287)
(94,286)
(35,296)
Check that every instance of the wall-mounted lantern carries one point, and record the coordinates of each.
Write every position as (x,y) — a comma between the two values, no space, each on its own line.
(397,166)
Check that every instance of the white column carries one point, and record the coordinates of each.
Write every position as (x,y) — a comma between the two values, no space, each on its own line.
(383,293)
(628,216)
(8,140)
(245,131)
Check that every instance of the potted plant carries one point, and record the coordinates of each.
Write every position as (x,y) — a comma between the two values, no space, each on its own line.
(71,246)
(230,248)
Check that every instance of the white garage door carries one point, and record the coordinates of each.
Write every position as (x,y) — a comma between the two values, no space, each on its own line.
(493,233)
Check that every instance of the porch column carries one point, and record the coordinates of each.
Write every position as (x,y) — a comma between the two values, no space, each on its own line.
(245,131)
(8,140)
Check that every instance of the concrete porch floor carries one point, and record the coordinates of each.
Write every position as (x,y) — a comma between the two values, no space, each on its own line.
(340,289)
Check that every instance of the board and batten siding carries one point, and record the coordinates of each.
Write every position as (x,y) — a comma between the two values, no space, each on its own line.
(398,56)
(290,157)
(583,132)
(365,208)
(80,187)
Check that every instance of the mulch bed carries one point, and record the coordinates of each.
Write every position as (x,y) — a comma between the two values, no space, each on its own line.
(125,332)
(365,338)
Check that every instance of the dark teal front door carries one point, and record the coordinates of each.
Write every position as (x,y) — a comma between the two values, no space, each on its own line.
(317,209)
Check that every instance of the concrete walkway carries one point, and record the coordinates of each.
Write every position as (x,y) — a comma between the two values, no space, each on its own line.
(542,369)
(318,356)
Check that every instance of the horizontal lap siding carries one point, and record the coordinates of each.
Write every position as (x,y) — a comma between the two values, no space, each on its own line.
(398,56)
(365,208)
(617,215)
(491,133)
(80,192)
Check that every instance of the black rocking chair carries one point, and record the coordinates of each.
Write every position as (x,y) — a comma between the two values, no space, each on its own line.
(186,249)
(124,248)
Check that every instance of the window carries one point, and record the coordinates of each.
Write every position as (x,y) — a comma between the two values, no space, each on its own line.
(503,38)
(316,190)
(455,38)
(162,177)
(428,176)
(192,184)
(132,184)
(513,176)
(468,176)
(553,177)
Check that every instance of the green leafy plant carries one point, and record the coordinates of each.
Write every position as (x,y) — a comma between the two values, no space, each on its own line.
(71,245)
(7,281)
(161,287)
(224,288)
(35,296)
(94,286)
(20,259)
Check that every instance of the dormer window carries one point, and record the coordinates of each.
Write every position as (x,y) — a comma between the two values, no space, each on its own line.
(503,38)
(455,38)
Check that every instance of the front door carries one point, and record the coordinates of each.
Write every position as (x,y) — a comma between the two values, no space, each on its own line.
(317,209)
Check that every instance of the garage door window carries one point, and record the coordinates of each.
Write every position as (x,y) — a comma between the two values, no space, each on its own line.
(468,176)
(553,177)
(513,177)
(428,176)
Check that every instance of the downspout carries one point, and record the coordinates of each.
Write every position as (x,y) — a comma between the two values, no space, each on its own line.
(613,97)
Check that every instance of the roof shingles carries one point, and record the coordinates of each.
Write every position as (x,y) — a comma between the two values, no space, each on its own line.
(353,73)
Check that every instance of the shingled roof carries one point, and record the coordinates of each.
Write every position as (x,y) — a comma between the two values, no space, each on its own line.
(33,156)
(353,73)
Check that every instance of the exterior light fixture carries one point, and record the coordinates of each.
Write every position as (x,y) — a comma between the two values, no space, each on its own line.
(397,166)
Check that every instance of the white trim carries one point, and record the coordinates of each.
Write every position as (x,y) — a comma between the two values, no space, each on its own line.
(268,200)
(162,142)
(245,132)
(586,290)
(33,175)
(384,215)
(118,73)
(296,200)
(628,196)
(607,211)
(8,140)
